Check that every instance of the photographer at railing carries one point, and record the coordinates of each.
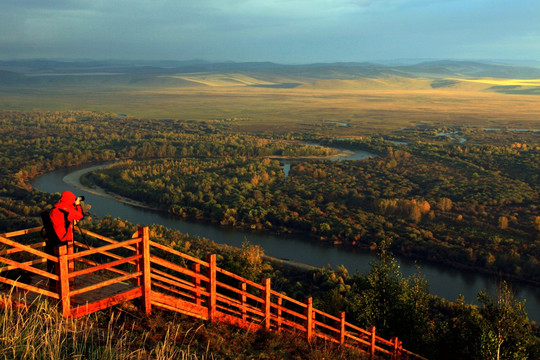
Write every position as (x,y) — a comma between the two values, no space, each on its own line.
(58,224)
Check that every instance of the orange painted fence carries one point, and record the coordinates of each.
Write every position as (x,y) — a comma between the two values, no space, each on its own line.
(97,277)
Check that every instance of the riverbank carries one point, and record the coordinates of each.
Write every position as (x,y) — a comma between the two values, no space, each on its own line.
(342,154)
(74,179)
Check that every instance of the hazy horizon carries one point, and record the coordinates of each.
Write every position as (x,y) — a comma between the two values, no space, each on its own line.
(380,62)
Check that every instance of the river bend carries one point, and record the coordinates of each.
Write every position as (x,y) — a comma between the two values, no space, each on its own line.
(443,281)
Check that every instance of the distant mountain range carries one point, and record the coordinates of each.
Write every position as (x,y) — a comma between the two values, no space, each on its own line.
(442,73)
(323,70)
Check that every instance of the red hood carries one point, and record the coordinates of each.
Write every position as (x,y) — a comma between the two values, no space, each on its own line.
(67,198)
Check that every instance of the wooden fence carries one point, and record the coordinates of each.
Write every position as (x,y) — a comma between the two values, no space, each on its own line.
(107,272)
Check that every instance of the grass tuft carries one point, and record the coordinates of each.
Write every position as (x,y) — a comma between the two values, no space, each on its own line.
(40,332)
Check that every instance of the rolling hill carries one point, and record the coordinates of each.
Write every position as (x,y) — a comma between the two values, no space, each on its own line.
(370,95)
(425,75)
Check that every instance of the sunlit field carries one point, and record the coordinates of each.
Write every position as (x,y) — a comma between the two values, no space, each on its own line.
(366,105)
(505,82)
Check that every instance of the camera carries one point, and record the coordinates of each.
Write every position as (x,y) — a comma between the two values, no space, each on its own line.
(80,198)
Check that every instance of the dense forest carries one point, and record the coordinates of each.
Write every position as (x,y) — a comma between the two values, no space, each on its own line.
(427,194)
(463,204)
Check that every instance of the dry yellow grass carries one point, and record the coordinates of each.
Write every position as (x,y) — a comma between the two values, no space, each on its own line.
(366,104)
(222,80)
(504,82)
(364,109)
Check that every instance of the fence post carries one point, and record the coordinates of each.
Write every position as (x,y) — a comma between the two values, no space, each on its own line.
(138,264)
(144,266)
(279,312)
(243,300)
(63,281)
(372,343)
(342,327)
(267,305)
(71,251)
(196,267)
(211,259)
(309,318)
(395,342)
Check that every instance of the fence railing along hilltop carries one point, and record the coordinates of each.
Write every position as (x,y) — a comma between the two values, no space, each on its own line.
(97,277)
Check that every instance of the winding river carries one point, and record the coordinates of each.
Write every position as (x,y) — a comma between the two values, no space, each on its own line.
(443,281)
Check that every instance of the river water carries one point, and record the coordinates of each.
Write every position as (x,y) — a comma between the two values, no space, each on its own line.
(443,281)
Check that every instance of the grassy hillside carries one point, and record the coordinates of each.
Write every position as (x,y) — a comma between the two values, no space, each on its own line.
(123,333)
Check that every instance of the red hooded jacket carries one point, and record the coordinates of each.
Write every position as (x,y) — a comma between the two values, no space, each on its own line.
(63,214)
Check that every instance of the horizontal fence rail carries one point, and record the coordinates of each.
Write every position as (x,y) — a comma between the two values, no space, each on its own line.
(101,272)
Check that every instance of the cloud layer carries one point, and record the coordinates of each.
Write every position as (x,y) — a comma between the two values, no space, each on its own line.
(287,31)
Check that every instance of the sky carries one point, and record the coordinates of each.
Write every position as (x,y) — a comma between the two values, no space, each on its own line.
(282,31)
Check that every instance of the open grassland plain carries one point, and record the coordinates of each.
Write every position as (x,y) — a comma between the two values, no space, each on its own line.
(365,105)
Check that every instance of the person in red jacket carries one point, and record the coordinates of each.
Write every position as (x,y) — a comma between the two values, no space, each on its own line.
(63,216)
